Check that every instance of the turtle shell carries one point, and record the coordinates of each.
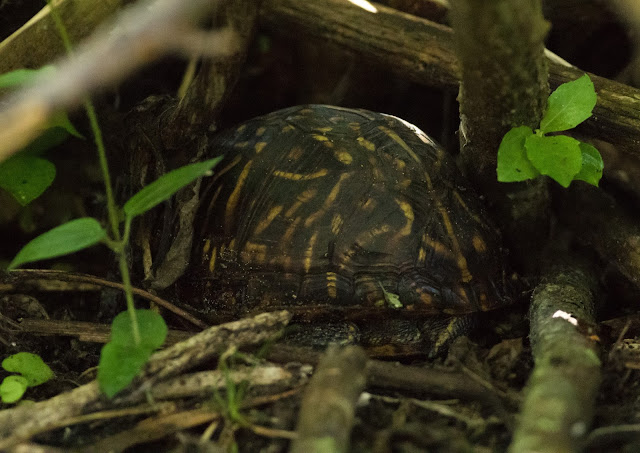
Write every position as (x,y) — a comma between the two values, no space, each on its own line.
(327,205)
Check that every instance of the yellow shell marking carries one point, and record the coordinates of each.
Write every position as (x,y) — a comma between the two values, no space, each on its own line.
(370,204)
(288,128)
(235,195)
(260,131)
(323,129)
(478,244)
(308,253)
(288,234)
(332,287)
(212,261)
(370,235)
(344,156)
(295,153)
(422,255)
(336,223)
(369,146)
(396,138)
(254,252)
(328,201)
(206,246)
(300,200)
(426,298)
(438,247)
(320,138)
(461,261)
(259,146)
(407,210)
(240,145)
(301,176)
(464,206)
(232,164)
(264,223)
(241,128)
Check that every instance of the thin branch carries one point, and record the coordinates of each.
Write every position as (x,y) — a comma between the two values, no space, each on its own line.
(141,35)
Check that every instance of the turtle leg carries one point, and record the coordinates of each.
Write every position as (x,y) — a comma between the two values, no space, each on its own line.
(439,331)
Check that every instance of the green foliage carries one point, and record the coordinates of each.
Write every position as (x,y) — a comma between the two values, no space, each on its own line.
(558,157)
(27,175)
(235,393)
(513,164)
(119,365)
(136,333)
(21,77)
(12,388)
(32,372)
(158,191)
(122,359)
(569,105)
(67,238)
(152,328)
(524,154)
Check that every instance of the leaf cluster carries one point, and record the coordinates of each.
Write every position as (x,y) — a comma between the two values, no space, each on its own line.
(123,357)
(32,371)
(524,154)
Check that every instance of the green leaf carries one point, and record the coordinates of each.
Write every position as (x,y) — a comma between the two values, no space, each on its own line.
(67,238)
(26,177)
(22,76)
(558,157)
(61,120)
(513,164)
(118,366)
(165,186)
(153,329)
(12,389)
(592,165)
(48,139)
(569,105)
(30,366)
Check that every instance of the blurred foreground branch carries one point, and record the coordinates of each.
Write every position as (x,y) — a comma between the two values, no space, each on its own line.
(140,35)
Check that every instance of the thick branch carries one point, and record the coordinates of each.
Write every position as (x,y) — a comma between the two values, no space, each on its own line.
(20,423)
(561,392)
(504,75)
(328,407)
(422,51)
(36,43)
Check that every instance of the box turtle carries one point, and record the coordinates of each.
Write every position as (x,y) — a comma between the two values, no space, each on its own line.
(347,214)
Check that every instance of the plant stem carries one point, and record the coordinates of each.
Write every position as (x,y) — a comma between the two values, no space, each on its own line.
(111,204)
(126,280)
(95,129)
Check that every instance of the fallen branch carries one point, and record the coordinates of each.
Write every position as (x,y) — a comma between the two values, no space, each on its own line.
(328,406)
(560,395)
(20,423)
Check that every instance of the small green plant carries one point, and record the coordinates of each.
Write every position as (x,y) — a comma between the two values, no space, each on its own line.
(235,393)
(31,371)
(135,334)
(27,174)
(524,154)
